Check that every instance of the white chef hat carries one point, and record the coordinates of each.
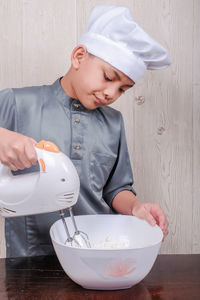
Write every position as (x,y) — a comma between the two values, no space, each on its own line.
(113,36)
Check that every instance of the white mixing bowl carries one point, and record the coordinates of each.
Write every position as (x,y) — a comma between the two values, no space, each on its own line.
(110,268)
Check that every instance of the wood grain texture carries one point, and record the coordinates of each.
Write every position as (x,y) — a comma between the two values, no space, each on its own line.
(49,35)
(36,39)
(11,29)
(42,278)
(196,128)
(161,113)
(163,123)
(10,60)
(162,117)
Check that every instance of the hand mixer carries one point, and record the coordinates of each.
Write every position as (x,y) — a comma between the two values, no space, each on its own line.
(54,188)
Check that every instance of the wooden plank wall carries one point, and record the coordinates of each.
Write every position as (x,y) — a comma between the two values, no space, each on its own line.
(161,113)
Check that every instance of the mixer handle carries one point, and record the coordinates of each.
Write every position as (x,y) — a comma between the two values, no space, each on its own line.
(4,170)
(47,146)
(39,147)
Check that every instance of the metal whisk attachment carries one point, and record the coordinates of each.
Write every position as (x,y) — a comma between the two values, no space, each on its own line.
(80,239)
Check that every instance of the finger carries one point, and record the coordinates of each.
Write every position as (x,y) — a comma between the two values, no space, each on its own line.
(17,163)
(165,233)
(10,164)
(12,167)
(30,153)
(158,214)
(162,221)
(34,142)
(144,214)
(165,230)
(150,219)
(24,161)
(164,226)
(12,161)
(19,159)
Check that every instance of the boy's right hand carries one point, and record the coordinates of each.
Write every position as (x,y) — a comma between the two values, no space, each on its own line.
(16,150)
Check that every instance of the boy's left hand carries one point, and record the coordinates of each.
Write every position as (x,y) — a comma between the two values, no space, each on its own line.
(152,213)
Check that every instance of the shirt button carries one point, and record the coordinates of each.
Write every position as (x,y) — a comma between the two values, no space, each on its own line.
(77,147)
(76,105)
(77,120)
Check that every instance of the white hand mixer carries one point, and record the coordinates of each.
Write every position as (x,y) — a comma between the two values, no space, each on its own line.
(55,188)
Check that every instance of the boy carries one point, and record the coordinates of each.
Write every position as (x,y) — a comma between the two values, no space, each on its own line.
(110,57)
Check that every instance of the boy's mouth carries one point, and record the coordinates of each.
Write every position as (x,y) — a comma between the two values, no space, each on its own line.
(100,101)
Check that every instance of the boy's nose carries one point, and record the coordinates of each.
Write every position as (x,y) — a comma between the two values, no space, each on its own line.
(110,93)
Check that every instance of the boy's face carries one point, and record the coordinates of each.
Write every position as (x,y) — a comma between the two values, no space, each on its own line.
(95,82)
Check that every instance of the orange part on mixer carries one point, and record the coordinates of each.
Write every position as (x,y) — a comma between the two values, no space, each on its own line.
(42,165)
(48,146)
(40,145)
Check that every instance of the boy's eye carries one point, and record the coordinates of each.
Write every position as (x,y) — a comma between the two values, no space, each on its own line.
(107,78)
(122,91)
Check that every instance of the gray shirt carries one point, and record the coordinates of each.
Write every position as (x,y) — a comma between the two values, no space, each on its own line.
(93,139)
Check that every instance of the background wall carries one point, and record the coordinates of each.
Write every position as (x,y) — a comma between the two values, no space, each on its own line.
(162,112)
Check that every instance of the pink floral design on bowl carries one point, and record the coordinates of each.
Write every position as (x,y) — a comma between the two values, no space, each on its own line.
(120,267)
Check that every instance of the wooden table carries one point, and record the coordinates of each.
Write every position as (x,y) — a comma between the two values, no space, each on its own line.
(172,277)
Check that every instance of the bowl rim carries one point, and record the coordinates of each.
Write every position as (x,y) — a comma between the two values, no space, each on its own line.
(104,249)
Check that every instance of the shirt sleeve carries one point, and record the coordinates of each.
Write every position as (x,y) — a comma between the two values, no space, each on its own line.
(121,177)
(7,109)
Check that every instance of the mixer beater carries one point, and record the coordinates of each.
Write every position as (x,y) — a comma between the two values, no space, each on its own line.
(80,239)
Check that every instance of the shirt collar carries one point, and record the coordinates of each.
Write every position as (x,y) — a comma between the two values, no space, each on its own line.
(68,102)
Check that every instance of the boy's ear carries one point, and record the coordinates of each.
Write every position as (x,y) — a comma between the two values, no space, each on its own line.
(78,55)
